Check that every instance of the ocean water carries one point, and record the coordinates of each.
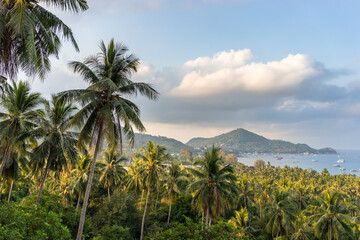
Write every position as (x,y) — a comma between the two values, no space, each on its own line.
(317,162)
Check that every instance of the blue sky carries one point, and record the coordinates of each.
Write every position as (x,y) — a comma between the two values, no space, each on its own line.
(283,69)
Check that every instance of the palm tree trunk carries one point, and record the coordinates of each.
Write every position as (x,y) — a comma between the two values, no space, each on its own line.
(142,195)
(202,219)
(2,187)
(108,192)
(120,136)
(156,201)
(6,156)
(44,177)
(78,203)
(88,186)
(169,210)
(210,221)
(143,220)
(207,217)
(11,187)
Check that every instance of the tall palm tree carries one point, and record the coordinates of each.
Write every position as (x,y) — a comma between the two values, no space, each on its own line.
(80,176)
(246,194)
(241,222)
(152,168)
(331,217)
(57,143)
(173,179)
(303,228)
(111,170)
(282,213)
(19,117)
(104,104)
(214,186)
(30,34)
(135,179)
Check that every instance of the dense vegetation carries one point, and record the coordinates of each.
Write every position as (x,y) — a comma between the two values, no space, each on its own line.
(242,141)
(206,200)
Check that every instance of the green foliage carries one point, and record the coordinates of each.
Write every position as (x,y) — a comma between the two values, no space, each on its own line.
(193,230)
(114,232)
(21,222)
(52,203)
(120,211)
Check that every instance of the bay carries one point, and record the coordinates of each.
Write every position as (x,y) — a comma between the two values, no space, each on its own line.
(312,161)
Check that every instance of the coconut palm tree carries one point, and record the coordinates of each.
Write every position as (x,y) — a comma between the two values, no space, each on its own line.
(331,217)
(303,228)
(282,213)
(57,143)
(152,168)
(30,34)
(172,181)
(246,194)
(241,222)
(19,117)
(80,176)
(111,170)
(214,186)
(106,113)
(135,180)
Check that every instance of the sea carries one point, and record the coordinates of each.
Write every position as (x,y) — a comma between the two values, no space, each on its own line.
(348,161)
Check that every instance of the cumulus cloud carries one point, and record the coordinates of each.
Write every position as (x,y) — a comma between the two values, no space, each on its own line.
(231,71)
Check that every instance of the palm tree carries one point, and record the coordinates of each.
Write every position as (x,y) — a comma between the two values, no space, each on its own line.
(303,228)
(30,34)
(214,186)
(111,170)
(246,194)
(281,214)
(57,143)
(152,168)
(241,222)
(135,180)
(19,116)
(173,180)
(80,176)
(331,217)
(104,106)
(263,194)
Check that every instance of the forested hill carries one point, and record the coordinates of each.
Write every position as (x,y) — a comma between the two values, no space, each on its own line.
(241,140)
(171,145)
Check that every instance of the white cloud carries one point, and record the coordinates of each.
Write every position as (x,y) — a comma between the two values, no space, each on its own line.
(231,72)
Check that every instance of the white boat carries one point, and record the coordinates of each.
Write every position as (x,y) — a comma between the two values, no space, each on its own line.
(353,170)
(336,165)
(342,168)
(341,161)
(315,160)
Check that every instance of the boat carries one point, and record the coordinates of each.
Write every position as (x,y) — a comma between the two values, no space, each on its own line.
(336,165)
(315,160)
(342,168)
(353,170)
(340,161)
(279,158)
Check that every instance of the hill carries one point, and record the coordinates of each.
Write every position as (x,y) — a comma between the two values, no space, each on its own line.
(242,141)
(171,145)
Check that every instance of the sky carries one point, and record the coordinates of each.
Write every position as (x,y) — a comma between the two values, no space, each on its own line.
(283,69)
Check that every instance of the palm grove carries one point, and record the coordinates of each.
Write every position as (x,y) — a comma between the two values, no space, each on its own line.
(64,173)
